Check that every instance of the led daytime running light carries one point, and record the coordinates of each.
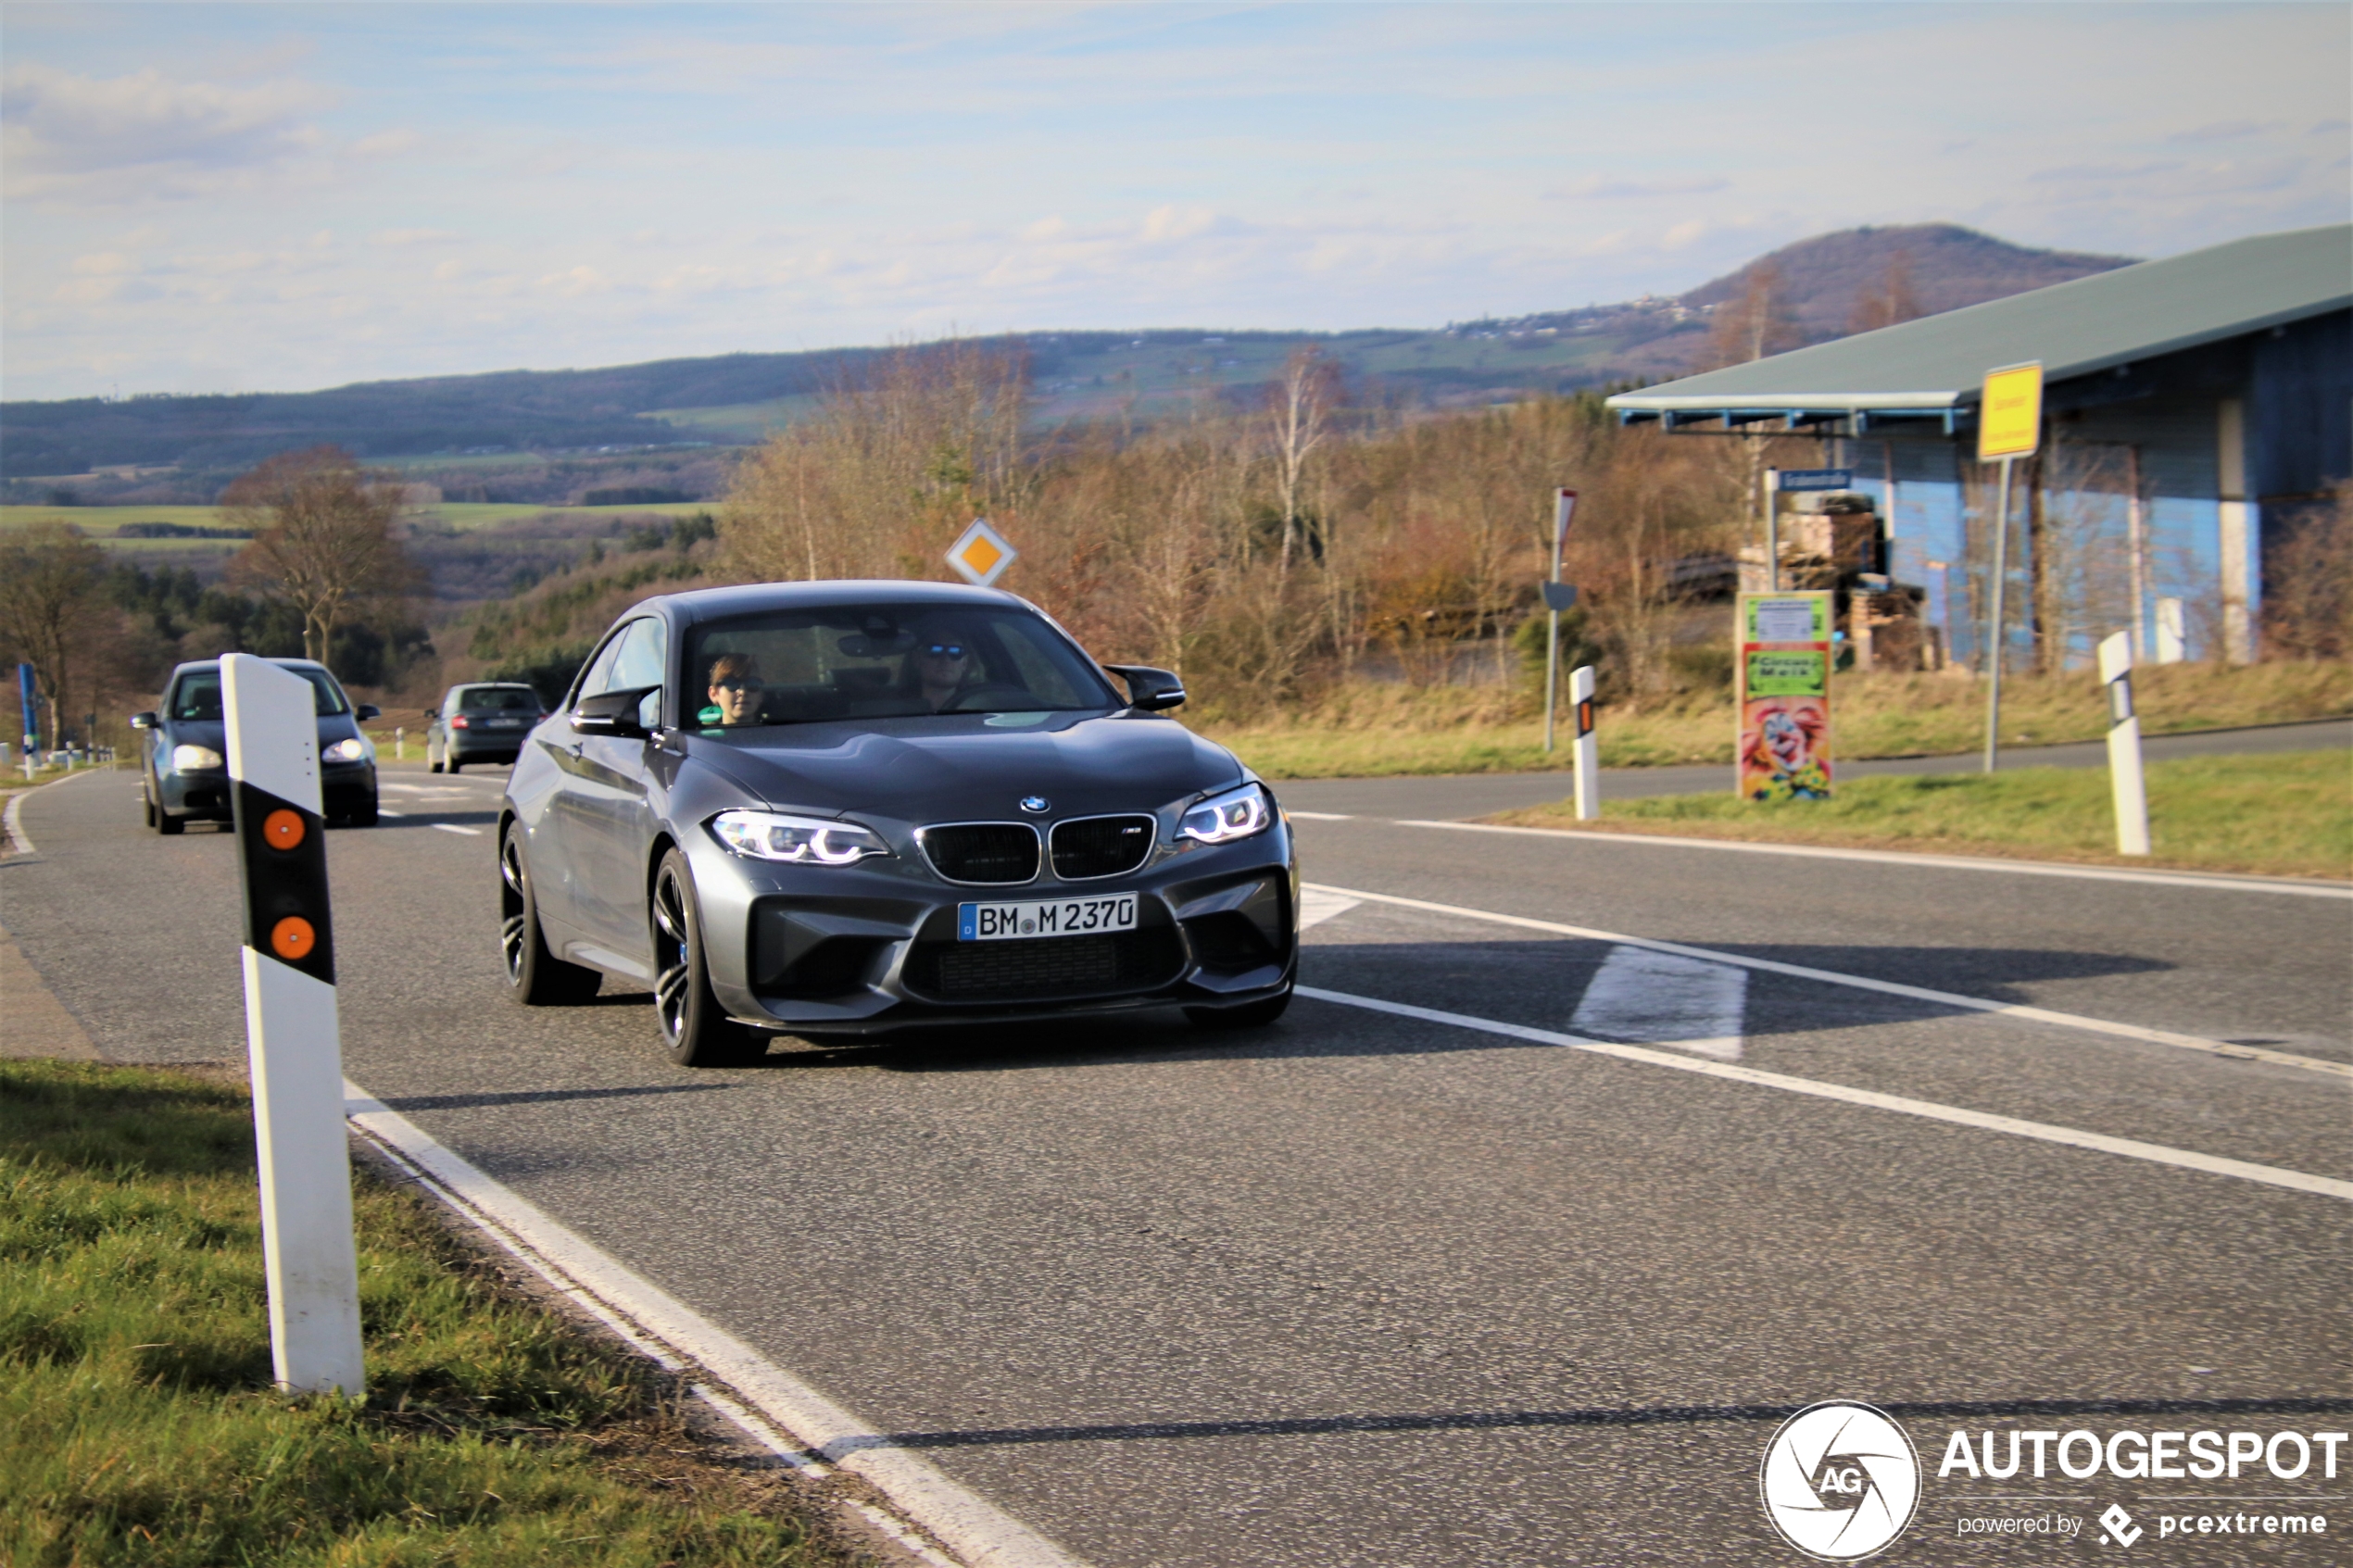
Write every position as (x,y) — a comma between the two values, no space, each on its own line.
(799,841)
(1222,819)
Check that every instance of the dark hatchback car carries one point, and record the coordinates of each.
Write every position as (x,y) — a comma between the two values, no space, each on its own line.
(846,809)
(486,722)
(184,765)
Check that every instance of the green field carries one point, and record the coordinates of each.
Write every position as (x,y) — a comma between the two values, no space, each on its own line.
(2281,814)
(103,524)
(138,1425)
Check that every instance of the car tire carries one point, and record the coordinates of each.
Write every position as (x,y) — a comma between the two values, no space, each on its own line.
(431,766)
(695,1029)
(535,977)
(149,802)
(365,817)
(451,764)
(1250,1015)
(168,824)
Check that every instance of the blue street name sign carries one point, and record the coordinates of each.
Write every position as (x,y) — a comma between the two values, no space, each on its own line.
(1818,479)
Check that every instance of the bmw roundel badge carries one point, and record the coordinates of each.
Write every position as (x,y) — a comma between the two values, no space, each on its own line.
(1036,805)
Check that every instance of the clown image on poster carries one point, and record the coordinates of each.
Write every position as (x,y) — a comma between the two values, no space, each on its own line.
(1784,646)
(1785,750)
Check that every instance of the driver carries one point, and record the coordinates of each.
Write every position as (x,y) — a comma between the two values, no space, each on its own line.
(944,663)
(734,691)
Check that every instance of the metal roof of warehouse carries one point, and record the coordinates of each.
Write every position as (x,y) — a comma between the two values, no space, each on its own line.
(1938,363)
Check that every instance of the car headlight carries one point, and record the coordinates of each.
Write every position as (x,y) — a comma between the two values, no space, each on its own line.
(799,841)
(1222,819)
(346,751)
(188,759)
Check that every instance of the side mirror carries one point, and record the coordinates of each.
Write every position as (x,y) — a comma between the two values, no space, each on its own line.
(1149,690)
(142,720)
(367,710)
(611,713)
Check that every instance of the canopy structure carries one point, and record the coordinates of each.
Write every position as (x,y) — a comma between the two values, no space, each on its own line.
(2228,371)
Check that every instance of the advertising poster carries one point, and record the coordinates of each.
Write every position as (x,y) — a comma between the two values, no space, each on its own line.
(1784,667)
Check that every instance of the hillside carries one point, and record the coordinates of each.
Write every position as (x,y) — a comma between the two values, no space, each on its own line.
(658,430)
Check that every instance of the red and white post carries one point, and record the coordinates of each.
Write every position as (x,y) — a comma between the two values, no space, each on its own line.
(292,1032)
(2124,747)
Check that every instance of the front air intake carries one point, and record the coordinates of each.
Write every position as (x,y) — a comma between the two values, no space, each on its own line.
(1094,847)
(983,854)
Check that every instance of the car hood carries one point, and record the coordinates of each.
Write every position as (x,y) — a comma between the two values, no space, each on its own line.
(921,770)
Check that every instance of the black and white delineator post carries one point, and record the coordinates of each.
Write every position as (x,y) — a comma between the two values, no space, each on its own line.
(291,1029)
(1589,750)
(2124,747)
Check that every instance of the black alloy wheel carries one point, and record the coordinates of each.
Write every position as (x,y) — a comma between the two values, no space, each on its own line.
(1250,1015)
(694,1027)
(165,824)
(535,977)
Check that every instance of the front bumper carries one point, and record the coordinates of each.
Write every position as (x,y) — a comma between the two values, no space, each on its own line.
(853,951)
(203,796)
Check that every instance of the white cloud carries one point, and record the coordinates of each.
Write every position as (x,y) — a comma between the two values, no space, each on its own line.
(403,239)
(85,138)
(1595,187)
(386,143)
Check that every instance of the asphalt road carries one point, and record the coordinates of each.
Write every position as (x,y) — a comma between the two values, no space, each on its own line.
(1370,1289)
(1456,796)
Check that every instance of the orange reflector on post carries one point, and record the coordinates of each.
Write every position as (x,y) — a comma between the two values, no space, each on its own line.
(292,938)
(283,829)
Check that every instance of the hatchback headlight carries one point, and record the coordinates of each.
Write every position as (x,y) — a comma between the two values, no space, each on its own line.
(1222,819)
(347,751)
(188,759)
(799,841)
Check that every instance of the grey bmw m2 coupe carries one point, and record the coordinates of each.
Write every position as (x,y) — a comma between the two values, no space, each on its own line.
(847,809)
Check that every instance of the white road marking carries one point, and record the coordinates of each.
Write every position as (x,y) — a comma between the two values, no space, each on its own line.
(452,827)
(978,1532)
(1892,857)
(1665,999)
(1319,816)
(1318,906)
(2132,1148)
(13,818)
(1864,983)
(388,811)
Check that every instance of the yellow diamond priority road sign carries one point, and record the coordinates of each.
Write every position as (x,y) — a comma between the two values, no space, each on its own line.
(981,554)
(2009,420)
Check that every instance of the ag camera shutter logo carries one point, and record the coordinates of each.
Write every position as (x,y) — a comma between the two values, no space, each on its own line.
(1840,1481)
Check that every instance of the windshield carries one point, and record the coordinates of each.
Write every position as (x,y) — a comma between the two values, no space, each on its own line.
(883,661)
(197,696)
(498,700)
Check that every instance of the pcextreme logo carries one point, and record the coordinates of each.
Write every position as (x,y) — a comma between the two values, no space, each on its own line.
(1840,1481)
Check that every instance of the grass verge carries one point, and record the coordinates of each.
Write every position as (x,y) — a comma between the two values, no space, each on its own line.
(1369,731)
(2280,814)
(138,1427)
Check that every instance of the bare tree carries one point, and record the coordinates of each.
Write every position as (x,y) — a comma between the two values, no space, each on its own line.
(54,612)
(1758,323)
(1296,408)
(1890,302)
(322,539)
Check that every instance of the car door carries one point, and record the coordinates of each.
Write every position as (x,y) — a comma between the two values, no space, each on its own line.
(559,827)
(611,815)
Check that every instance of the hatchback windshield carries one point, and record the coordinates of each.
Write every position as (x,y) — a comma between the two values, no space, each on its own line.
(498,700)
(883,661)
(198,695)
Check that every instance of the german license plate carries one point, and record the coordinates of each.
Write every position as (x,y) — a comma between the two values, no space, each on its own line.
(1061,917)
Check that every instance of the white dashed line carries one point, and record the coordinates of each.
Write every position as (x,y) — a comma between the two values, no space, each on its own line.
(1864,983)
(1665,999)
(2132,1149)
(452,827)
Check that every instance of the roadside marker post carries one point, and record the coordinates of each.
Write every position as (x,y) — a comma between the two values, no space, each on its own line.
(1558,596)
(2009,426)
(2124,747)
(1589,750)
(292,1034)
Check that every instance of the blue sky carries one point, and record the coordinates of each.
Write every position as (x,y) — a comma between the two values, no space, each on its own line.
(207,197)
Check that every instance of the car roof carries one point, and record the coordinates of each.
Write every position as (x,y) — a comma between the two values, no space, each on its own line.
(215,664)
(713,604)
(495,687)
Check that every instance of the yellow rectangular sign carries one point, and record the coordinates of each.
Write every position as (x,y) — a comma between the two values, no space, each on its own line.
(2010,420)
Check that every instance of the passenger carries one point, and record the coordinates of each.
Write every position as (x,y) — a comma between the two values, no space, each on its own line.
(735,692)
